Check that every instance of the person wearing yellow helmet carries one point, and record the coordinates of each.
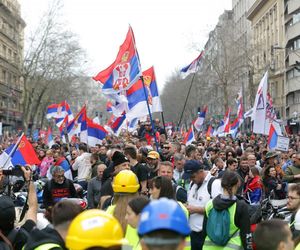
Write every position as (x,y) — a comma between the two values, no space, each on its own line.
(95,229)
(125,186)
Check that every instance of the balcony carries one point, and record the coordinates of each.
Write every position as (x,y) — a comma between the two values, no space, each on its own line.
(293,5)
(293,57)
(292,85)
(293,31)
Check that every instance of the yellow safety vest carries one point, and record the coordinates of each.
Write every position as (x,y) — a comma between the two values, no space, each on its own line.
(297,247)
(131,234)
(187,239)
(47,246)
(235,242)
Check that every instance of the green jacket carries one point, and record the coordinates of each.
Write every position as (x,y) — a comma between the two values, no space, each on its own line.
(289,174)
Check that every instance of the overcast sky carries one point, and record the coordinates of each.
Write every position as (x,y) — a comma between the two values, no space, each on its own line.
(168,33)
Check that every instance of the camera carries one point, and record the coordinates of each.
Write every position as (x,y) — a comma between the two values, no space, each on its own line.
(16,171)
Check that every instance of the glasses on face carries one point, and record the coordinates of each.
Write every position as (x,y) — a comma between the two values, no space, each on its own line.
(166,147)
(292,198)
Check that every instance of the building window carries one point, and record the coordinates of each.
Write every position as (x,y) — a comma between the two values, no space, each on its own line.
(4,51)
(4,75)
(297,44)
(296,18)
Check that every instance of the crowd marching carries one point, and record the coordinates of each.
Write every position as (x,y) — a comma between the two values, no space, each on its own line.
(215,193)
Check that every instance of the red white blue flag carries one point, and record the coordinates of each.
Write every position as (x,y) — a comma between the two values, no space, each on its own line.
(273,137)
(193,67)
(190,137)
(138,97)
(124,71)
(96,133)
(200,119)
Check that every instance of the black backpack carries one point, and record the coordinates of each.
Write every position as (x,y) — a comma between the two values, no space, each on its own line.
(209,185)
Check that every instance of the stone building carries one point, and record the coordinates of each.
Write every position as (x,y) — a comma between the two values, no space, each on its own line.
(11,56)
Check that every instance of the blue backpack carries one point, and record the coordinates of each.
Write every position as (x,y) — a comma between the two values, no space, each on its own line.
(218,226)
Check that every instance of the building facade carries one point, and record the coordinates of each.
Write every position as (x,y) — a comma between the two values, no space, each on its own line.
(242,37)
(11,56)
(268,33)
(292,76)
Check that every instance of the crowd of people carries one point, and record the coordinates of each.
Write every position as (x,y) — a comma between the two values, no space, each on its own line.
(152,194)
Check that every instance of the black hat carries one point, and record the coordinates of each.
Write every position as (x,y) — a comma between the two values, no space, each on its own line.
(119,158)
(7,211)
(191,167)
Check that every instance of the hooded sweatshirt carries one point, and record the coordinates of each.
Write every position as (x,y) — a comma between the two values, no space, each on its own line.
(241,218)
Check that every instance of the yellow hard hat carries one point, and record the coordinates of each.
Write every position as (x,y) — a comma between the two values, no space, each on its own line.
(125,182)
(94,228)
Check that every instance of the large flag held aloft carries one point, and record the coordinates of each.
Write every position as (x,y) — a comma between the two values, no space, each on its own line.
(192,67)
(137,99)
(260,106)
(124,71)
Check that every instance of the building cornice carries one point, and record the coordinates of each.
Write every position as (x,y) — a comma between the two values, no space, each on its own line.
(255,8)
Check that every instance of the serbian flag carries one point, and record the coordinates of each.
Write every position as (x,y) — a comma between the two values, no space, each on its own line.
(200,119)
(96,133)
(192,67)
(49,138)
(273,137)
(118,124)
(138,96)
(190,137)
(21,153)
(59,111)
(227,121)
(124,71)
(209,131)
(79,125)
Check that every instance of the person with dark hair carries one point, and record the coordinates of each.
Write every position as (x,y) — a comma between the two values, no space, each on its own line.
(253,190)
(162,187)
(83,165)
(227,205)
(54,238)
(95,161)
(273,234)
(134,209)
(190,152)
(232,164)
(140,169)
(9,236)
(273,185)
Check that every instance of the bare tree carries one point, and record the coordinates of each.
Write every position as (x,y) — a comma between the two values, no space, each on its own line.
(52,61)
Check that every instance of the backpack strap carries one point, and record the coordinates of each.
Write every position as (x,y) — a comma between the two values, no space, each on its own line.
(209,185)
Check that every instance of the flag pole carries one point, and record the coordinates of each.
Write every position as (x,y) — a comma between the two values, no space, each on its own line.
(13,150)
(186,99)
(150,115)
(163,120)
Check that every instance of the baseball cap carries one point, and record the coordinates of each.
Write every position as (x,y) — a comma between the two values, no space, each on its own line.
(191,167)
(153,155)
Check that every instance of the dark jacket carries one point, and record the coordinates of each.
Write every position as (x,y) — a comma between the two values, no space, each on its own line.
(40,237)
(241,218)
